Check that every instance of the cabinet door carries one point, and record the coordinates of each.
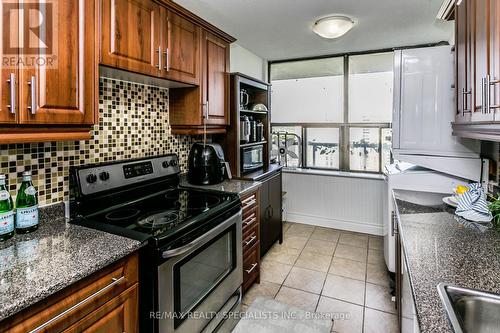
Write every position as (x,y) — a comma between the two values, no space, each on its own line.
(216,80)
(480,31)
(8,89)
(275,221)
(181,50)
(264,218)
(495,59)
(65,92)
(118,315)
(130,35)
(462,70)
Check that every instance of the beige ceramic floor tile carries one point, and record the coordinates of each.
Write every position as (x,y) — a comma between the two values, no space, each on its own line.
(376,243)
(376,257)
(282,254)
(305,279)
(350,252)
(354,240)
(274,272)
(347,317)
(379,298)
(298,298)
(286,225)
(380,322)
(314,261)
(321,247)
(345,289)
(264,288)
(326,234)
(377,274)
(348,268)
(294,242)
(301,230)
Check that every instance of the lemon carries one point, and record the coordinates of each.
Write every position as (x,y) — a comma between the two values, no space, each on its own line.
(461,189)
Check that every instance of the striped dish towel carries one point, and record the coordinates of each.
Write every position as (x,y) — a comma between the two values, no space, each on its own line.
(472,205)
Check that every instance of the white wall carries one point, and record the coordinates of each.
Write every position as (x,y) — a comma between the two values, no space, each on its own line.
(346,203)
(246,62)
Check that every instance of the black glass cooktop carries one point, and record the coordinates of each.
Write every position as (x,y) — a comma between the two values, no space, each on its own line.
(164,214)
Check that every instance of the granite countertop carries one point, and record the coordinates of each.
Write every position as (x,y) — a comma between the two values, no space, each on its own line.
(439,247)
(36,265)
(238,186)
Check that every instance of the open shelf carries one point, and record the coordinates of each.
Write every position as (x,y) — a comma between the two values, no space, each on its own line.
(253,112)
(243,145)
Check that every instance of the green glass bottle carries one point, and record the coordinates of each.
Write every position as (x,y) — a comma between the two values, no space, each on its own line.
(6,211)
(26,206)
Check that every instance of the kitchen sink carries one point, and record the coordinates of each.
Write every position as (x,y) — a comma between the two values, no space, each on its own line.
(469,310)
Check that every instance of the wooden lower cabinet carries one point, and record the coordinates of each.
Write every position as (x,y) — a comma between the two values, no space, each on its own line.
(251,239)
(106,301)
(118,315)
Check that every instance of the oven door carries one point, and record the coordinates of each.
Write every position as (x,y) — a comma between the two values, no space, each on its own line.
(200,278)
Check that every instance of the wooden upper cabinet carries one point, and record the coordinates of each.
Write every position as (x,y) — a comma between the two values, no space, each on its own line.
(477,49)
(216,80)
(481,45)
(181,47)
(462,87)
(8,89)
(494,55)
(130,35)
(65,92)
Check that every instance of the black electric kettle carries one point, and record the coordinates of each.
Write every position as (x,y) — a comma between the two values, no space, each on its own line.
(206,164)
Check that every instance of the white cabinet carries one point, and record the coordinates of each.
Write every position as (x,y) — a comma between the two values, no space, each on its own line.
(424,106)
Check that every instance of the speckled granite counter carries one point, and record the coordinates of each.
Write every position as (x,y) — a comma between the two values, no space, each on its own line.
(36,265)
(233,185)
(441,249)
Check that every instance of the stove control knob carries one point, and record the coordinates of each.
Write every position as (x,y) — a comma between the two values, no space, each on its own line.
(104,176)
(165,164)
(91,178)
(173,162)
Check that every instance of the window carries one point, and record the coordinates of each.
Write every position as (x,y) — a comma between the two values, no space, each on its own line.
(323,148)
(312,125)
(308,91)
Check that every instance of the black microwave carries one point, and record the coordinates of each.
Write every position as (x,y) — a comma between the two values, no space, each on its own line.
(252,158)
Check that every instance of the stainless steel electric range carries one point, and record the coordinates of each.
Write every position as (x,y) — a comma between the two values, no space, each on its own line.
(191,267)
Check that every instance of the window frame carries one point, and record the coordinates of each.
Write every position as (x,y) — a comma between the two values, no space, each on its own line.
(344,127)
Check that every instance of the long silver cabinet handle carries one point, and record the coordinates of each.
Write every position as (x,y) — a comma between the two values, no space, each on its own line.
(250,198)
(167,61)
(32,84)
(250,220)
(250,241)
(12,82)
(159,58)
(114,282)
(251,268)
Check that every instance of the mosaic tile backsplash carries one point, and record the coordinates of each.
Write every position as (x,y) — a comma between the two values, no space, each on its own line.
(133,122)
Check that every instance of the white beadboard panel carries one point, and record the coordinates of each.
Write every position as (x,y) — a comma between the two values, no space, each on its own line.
(354,204)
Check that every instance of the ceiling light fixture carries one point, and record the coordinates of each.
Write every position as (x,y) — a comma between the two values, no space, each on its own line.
(333,26)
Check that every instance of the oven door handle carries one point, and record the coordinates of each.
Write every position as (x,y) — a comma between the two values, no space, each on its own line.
(185,248)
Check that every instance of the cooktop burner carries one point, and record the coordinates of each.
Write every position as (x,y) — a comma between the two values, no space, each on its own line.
(122,214)
(158,219)
(185,200)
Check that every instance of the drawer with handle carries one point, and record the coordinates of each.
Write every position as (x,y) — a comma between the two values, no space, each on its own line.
(250,237)
(249,201)
(251,267)
(250,219)
(66,307)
